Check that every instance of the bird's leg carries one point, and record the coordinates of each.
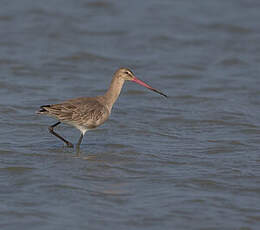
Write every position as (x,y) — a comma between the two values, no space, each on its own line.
(80,139)
(57,135)
(79,142)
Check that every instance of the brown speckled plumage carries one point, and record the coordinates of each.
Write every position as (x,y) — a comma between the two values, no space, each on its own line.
(84,111)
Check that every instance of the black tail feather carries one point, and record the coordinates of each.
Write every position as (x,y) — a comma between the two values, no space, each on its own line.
(42,108)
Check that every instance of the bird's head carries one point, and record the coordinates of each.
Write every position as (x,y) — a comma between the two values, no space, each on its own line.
(128,75)
(125,73)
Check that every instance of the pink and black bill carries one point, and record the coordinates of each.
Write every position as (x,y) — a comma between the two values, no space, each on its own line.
(136,80)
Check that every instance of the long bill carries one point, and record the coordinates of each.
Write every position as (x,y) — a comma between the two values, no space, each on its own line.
(136,80)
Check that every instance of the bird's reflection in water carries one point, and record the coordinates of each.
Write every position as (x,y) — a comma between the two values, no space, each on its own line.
(115,190)
(83,155)
(77,151)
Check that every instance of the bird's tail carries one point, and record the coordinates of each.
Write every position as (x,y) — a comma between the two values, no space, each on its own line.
(43,109)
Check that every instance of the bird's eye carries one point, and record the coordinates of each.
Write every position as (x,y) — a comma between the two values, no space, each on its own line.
(127,72)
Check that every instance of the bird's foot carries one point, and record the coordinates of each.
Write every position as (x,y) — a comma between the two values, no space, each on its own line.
(77,148)
(69,145)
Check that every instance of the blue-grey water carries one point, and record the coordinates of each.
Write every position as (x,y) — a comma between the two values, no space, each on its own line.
(191,161)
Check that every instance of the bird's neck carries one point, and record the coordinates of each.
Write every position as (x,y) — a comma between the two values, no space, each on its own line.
(113,91)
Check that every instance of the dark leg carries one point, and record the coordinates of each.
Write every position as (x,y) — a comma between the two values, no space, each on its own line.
(80,139)
(57,135)
(79,142)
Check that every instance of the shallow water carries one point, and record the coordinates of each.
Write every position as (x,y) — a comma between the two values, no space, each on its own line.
(187,162)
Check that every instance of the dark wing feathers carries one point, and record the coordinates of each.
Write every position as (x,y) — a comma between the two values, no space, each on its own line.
(43,109)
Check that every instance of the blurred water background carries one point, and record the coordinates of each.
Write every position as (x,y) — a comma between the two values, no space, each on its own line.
(187,162)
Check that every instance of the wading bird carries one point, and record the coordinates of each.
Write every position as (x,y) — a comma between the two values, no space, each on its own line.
(86,113)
